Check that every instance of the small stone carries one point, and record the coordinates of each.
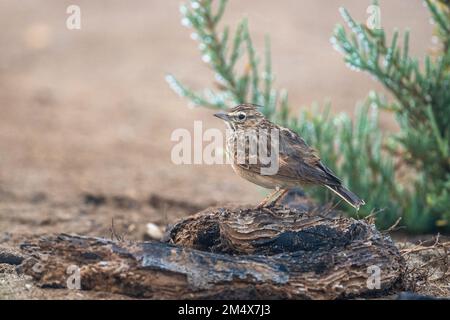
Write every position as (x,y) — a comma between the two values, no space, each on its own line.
(10,256)
(154,232)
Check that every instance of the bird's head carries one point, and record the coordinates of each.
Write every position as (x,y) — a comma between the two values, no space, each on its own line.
(242,117)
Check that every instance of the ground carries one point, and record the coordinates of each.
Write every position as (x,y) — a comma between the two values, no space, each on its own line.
(86,115)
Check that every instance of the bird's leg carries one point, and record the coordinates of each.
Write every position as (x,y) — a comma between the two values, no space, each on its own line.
(266,199)
(277,197)
(269,197)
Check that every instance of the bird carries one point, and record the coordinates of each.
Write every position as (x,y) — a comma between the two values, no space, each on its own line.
(298,164)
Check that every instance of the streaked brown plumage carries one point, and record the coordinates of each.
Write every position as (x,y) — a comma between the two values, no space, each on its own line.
(298,164)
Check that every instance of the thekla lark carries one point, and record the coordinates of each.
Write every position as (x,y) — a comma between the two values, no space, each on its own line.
(298,164)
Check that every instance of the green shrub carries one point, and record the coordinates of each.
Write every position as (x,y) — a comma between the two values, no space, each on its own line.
(403,175)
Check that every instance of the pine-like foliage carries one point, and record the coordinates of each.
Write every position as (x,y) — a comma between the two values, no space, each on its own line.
(404,175)
(421,107)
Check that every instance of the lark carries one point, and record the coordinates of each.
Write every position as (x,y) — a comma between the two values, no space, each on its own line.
(298,163)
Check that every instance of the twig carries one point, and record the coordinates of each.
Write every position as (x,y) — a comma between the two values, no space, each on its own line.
(114,235)
(394,226)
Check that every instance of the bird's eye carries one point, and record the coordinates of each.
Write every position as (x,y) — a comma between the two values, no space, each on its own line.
(241,116)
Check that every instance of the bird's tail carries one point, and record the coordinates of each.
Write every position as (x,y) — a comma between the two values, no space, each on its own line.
(351,198)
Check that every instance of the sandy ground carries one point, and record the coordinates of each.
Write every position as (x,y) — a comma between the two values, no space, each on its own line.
(86,115)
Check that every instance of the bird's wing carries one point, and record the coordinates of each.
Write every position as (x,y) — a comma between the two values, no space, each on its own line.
(296,162)
(297,159)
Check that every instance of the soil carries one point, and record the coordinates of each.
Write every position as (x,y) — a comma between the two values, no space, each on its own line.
(86,115)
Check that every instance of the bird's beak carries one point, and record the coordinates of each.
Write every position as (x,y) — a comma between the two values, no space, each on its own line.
(222,115)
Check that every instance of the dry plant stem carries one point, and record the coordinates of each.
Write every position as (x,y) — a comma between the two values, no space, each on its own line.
(424,275)
(114,234)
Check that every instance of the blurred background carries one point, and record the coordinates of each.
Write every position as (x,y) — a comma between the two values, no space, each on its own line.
(88,112)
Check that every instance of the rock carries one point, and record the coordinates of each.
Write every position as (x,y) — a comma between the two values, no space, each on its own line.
(10,256)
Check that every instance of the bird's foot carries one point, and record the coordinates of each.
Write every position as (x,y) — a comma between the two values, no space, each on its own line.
(271,199)
(264,204)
